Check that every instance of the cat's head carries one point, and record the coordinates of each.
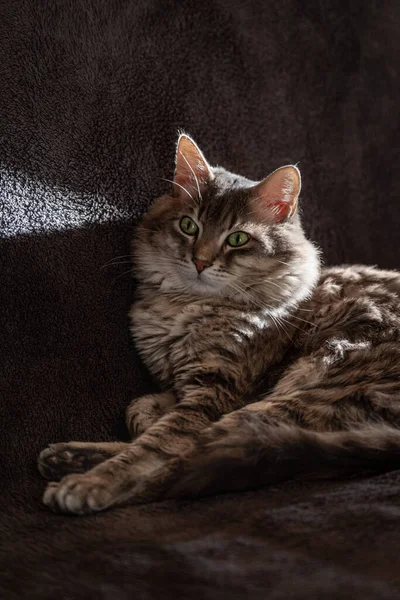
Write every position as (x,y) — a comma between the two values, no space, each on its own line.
(220,234)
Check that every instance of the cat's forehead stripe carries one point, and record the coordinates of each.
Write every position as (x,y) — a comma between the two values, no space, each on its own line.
(222,211)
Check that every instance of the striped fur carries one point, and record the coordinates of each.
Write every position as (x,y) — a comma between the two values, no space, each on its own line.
(270,368)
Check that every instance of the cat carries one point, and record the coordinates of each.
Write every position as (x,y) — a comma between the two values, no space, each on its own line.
(269,366)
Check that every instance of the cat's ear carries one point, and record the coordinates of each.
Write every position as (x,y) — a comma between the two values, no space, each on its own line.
(192,171)
(275,198)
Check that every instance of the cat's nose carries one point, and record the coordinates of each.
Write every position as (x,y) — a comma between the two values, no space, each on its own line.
(201,264)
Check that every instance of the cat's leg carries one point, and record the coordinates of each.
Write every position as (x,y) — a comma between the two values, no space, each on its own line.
(148,467)
(325,417)
(61,459)
(144,470)
(146,410)
(58,460)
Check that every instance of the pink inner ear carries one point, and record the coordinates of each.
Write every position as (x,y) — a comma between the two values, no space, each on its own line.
(275,198)
(192,171)
(280,210)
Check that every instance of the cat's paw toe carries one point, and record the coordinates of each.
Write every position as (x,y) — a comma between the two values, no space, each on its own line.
(78,494)
(59,459)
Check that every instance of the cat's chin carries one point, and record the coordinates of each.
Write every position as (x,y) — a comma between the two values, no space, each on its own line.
(203,288)
(193,286)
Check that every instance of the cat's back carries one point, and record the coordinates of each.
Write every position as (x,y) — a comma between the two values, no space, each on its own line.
(362,276)
(358,281)
(358,300)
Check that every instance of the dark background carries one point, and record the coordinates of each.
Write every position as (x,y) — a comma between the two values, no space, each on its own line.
(92,94)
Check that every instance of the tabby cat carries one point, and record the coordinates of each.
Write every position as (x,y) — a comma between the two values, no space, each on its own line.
(269,366)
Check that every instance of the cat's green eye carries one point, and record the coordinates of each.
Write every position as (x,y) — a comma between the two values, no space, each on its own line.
(238,238)
(188,226)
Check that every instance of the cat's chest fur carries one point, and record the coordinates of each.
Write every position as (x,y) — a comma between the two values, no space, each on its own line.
(171,330)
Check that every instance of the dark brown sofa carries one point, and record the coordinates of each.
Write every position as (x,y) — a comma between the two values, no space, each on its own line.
(92,94)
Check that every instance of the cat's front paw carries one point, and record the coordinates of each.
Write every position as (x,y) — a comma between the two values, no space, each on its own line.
(65,458)
(79,494)
(58,460)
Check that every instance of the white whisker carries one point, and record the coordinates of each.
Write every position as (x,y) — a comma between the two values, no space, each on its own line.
(274,318)
(183,188)
(113,264)
(194,175)
(121,275)
(269,307)
(299,318)
(283,263)
(111,261)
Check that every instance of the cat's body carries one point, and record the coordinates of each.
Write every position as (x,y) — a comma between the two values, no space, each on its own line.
(269,367)
(353,312)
